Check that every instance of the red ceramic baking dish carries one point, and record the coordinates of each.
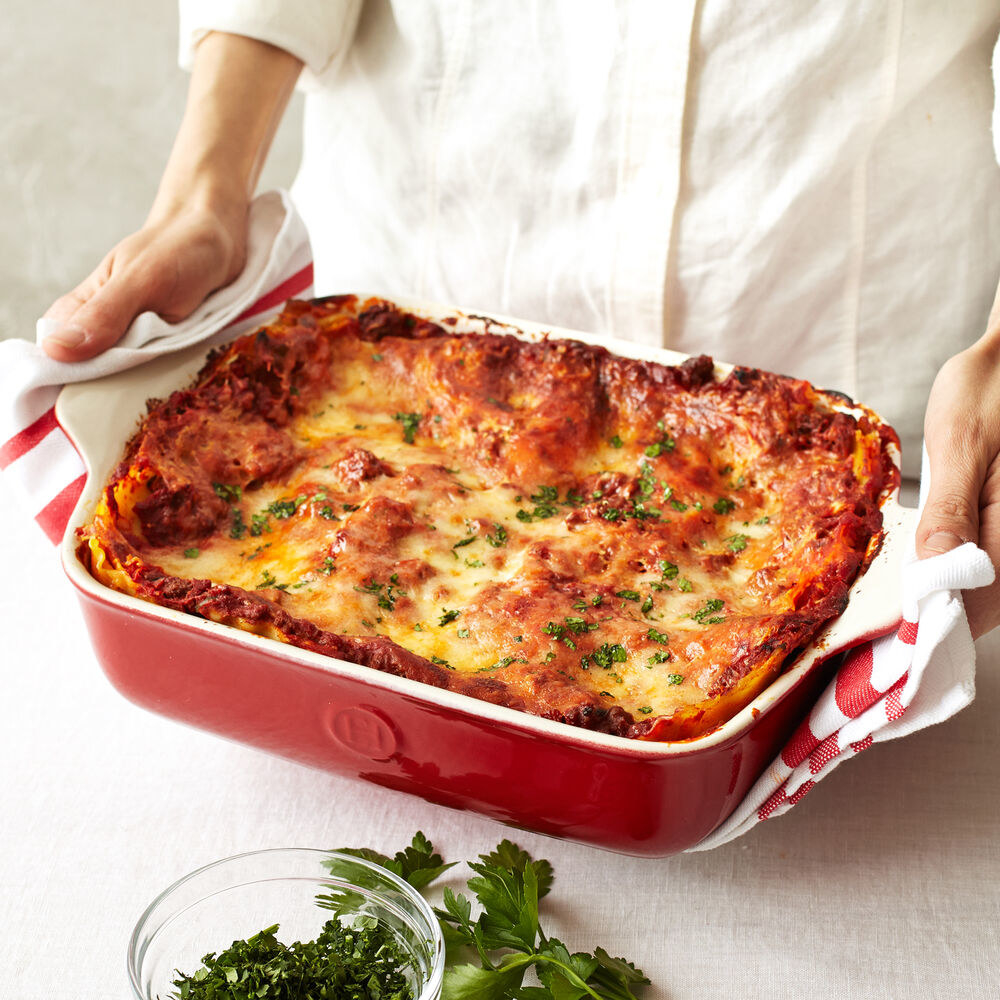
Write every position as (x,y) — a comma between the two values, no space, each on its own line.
(630,796)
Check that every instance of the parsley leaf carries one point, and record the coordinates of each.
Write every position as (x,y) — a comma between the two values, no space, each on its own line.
(508,885)
(706,615)
(231,494)
(499,536)
(737,543)
(419,864)
(410,422)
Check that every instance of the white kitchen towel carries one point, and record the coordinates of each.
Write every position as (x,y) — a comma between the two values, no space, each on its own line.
(37,458)
(884,689)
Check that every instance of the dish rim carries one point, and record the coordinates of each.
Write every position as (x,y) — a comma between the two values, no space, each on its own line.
(78,412)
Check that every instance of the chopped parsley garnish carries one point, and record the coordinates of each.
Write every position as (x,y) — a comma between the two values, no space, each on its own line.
(549,657)
(327,511)
(504,661)
(191,553)
(647,479)
(441,663)
(231,494)
(605,655)
(611,514)
(616,442)
(267,579)
(678,506)
(359,957)
(237,529)
(410,422)
(468,540)
(448,616)
(328,566)
(376,357)
(386,595)
(579,625)
(684,585)
(498,537)
(283,509)
(259,524)
(711,606)
(645,709)
(657,636)
(675,678)
(647,606)
(546,505)
(723,505)
(737,543)
(463,633)
(660,656)
(666,443)
(668,569)
(763,520)
(351,507)
(628,595)
(474,563)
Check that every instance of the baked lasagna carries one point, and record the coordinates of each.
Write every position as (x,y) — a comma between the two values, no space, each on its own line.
(627,546)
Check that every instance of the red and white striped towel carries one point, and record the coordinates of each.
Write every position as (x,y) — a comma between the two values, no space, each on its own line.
(885,688)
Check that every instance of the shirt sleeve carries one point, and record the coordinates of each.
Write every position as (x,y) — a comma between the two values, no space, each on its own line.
(316,31)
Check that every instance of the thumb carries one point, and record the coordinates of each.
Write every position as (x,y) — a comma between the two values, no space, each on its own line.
(98,321)
(951,512)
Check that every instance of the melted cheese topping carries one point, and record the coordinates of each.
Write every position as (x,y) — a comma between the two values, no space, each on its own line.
(660,569)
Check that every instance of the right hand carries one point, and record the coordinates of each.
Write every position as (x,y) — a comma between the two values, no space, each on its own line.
(168,267)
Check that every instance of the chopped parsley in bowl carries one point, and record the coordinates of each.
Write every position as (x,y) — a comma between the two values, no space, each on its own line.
(284,923)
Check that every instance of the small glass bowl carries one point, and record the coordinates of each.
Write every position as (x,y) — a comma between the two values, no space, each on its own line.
(233,899)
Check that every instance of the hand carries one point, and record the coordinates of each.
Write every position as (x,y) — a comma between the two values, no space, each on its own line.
(195,238)
(169,267)
(962,435)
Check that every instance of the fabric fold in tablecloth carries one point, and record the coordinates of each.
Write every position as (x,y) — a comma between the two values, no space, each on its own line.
(883,689)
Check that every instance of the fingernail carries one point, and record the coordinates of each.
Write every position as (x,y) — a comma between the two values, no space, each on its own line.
(943,541)
(69,338)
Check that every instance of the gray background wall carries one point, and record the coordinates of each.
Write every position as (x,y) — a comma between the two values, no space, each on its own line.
(90,99)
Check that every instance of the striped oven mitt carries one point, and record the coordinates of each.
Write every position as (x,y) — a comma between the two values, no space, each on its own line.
(884,689)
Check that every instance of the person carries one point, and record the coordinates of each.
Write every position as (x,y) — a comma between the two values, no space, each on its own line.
(805,188)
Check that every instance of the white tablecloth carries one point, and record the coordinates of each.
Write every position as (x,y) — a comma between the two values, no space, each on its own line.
(883,882)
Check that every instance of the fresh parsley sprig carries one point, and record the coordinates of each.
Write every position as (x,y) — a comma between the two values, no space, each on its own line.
(506,936)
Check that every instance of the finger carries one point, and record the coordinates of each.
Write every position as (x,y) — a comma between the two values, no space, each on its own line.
(63,309)
(98,322)
(951,512)
(982,605)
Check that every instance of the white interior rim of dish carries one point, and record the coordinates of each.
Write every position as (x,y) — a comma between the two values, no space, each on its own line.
(861,619)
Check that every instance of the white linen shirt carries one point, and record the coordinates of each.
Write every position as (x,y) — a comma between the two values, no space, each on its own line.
(806,188)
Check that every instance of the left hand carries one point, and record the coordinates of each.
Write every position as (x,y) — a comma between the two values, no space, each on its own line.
(962,435)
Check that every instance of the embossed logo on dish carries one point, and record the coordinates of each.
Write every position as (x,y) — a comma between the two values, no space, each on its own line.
(363,731)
